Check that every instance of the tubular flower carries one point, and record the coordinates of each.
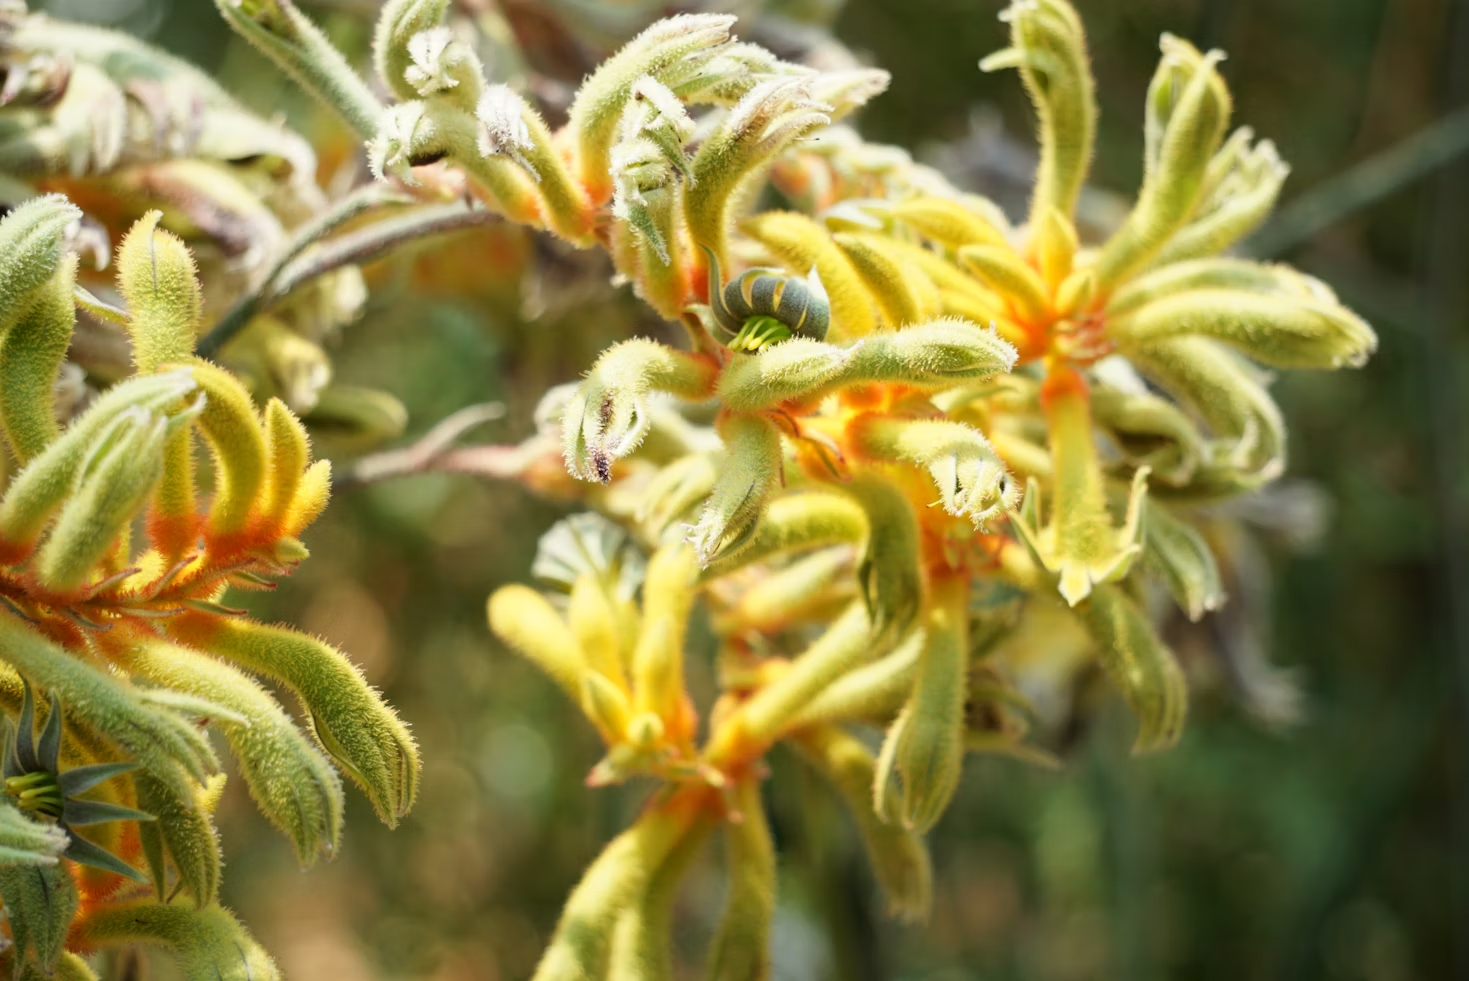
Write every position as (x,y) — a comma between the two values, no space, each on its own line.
(131,638)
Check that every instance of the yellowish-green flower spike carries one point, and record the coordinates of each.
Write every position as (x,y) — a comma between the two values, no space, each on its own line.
(1188,111)
(1279,331)
(740,950)
(617,879)
(1231,398)
(40,901)
(888,574)
(642,941)
(801,521)
(232,429)
(183,833)
(158,279)
(31,249)
(113,485)
(874,692)
(42,487)
(399,22)
(1002,270)
(285,36)
(593,621)
(972,481)
(167,745)
(611,411)
(291,782)
(1237,202)
(903,293)
(528,624)
(675,489)
(1079,544)
(31,351)
(750,473)
(924,748)
(1048,46)
(949,223)
(354,725)
(1175,551)
(898,855)
(768,120)
(206,943)
(657,662)
(607,706)
(1150,432)
(1139,664)
(670,51)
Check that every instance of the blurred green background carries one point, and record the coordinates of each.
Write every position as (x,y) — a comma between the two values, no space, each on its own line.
(1337,848)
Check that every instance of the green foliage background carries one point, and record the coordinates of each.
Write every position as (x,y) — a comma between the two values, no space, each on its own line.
(1338,849)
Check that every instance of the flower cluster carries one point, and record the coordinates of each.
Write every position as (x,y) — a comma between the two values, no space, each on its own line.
(114,575)
(923,468)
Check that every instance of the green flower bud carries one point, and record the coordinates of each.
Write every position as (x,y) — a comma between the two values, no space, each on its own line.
(167,745)
(1176,552)
(898,855)
(924,748)
(768,120)
(1150,432)
(233,430)
(35,495)
(796,522)
(846,644)
(1277,331)
(1237,201)
(933,355)
(350,719)
(1229,395)
(207,942)
(1139,664)
(1049,48)
(903,292)
(872,693)
(798,368)
(291,782)
(32,243)
(888,573)
(1188,111)
(814,588)
(182,832)
(611,413)
(751,470)
(671,49)
(157,277)
(32,349)
(113,486)
(1208,274)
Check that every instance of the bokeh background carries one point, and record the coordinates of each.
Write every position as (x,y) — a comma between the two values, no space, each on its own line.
(1336,848)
